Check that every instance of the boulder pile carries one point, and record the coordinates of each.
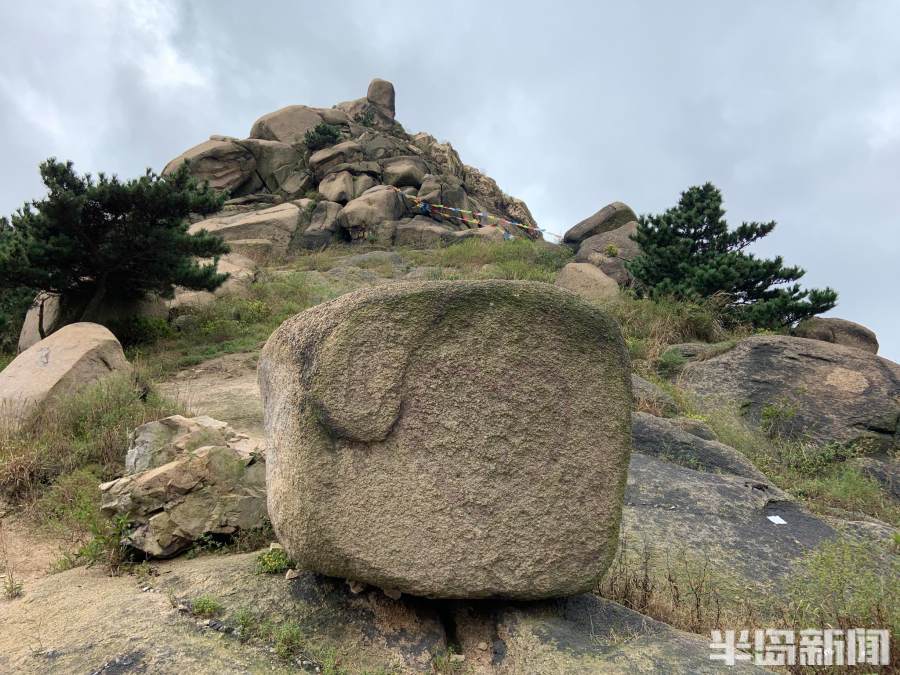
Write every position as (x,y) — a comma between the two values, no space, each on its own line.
(291,190)
(450,439)
(187,478)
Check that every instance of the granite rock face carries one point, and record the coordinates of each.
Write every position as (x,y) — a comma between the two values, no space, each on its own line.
(449,439)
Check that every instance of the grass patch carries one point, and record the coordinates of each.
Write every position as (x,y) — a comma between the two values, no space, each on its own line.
(843,583)
(519,259)
(89,430)
(233,323)
(651,325)
(819,475)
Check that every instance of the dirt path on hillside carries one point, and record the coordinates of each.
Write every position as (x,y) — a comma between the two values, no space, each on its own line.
(25,551)
(224,388)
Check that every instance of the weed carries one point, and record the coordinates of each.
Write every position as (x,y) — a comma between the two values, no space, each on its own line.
(273,561)
(12,587)
(447,663)
(206,605)
(88,429)
(288,638)
(247,623)
(670,363)
(775,417)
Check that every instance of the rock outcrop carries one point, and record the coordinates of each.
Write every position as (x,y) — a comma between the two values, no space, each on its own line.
(587,281)
(372,151)
(73,357)
(610,251)
(449,439)
(838,331)
(187,478)
(805,388)
(610,217)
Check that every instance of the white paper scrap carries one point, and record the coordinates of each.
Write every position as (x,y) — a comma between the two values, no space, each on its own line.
(778,520)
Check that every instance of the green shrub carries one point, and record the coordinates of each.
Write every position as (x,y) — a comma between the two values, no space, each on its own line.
(288,638)
(273,561)
(138,330)
(206,605)
(670,363)
(321,136)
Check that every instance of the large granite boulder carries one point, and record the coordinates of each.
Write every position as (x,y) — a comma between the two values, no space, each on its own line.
(375,206)
(275,225)
(587,281)
(276,164)
(287,125)
(807,388)
(610,251)
(839,332)
(58,366)
(188,478)
(449,439)
(381,93)
(226,165)
(610,217)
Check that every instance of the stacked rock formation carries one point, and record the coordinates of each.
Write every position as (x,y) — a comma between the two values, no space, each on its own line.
(450,439)
(287,194)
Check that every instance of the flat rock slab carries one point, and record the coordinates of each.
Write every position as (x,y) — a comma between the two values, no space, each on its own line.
(808,389)
(449,439)
(83,621)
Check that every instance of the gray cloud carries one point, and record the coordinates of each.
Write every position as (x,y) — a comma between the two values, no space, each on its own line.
(792,109)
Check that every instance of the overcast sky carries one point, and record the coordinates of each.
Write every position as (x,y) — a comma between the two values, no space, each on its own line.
(792,109)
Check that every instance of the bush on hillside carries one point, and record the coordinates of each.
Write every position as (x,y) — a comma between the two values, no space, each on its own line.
(92,241)
(322,136)
(689,253)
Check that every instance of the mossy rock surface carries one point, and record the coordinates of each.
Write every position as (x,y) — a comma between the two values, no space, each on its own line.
(455,439)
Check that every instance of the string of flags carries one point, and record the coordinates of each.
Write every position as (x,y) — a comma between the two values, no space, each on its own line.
(476,218)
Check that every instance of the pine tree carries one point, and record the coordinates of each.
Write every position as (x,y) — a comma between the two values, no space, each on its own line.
(91,241)
(688,252)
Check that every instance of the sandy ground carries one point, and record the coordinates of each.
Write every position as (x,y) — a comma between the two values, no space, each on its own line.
(224,388)
(23,550)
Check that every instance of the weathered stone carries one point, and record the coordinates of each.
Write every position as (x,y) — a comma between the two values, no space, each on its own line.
(381,93)
(213,489)
(445,190)
(45,308)
(658,437)
(491,233)
(376,205)
(241,272)
(421,232)
(610,250)
(277,224)
(650,398)
(806,388)
(404,171)
(838,331)
(387,430)
(323,161)
(288,125)
(610,217)
(377,145)
(68,360)
(276,163)
(442,155)
(322,227)
(344,186)
(587,281)
(489,197)
(156,443)
(694,427)
(226,165)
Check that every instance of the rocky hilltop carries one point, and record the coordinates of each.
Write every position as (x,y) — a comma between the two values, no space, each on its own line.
(348,173)
(407,435)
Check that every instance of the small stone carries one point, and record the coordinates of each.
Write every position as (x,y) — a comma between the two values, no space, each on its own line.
(356,587)
(457,658)
(291,574)
(392,593)
(482,646)
(275,546)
